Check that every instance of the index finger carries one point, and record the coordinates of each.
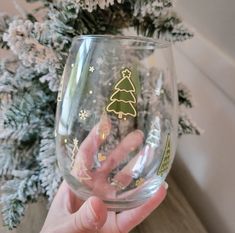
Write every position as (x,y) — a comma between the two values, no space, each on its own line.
(127,145)
(92,142)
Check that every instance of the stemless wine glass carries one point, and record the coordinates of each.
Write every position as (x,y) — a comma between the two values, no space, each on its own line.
(116,123)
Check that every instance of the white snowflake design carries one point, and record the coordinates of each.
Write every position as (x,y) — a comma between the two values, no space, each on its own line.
(83,114)
(91,69)
(99,61)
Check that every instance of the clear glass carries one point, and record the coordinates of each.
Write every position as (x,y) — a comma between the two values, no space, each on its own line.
(116,123)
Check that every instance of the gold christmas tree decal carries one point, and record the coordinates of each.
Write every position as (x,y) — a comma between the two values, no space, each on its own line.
(82,171)
(139,182)
(123,99)
(166,157)
(80,165)
(74,151)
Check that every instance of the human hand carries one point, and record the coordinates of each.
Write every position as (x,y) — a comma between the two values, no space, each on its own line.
(96,173)
(69,214)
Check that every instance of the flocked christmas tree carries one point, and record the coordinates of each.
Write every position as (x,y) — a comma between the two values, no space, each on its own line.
(30,77)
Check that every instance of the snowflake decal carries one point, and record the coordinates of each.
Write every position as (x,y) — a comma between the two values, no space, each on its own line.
(91,69)
(99,61)
(83,114)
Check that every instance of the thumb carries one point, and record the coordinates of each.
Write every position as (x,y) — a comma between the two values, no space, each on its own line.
(90,217)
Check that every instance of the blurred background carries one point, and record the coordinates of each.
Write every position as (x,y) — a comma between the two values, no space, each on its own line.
(204,165)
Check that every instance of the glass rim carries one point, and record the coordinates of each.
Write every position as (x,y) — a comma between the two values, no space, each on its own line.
(157,42)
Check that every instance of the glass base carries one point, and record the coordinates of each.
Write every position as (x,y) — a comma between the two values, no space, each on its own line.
(122,206)
(122,202)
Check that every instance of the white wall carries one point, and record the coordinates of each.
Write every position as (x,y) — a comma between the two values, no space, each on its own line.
(204,167)
(214,19)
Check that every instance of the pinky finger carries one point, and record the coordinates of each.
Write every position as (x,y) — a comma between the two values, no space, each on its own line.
(127,220)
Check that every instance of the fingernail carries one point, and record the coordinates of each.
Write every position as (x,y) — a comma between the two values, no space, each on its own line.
(92,217)
(140,132)
(117,184)
(165,185)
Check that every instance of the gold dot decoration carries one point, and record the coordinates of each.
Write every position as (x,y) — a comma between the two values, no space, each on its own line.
(104,127)
(139,182)
(101,157)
